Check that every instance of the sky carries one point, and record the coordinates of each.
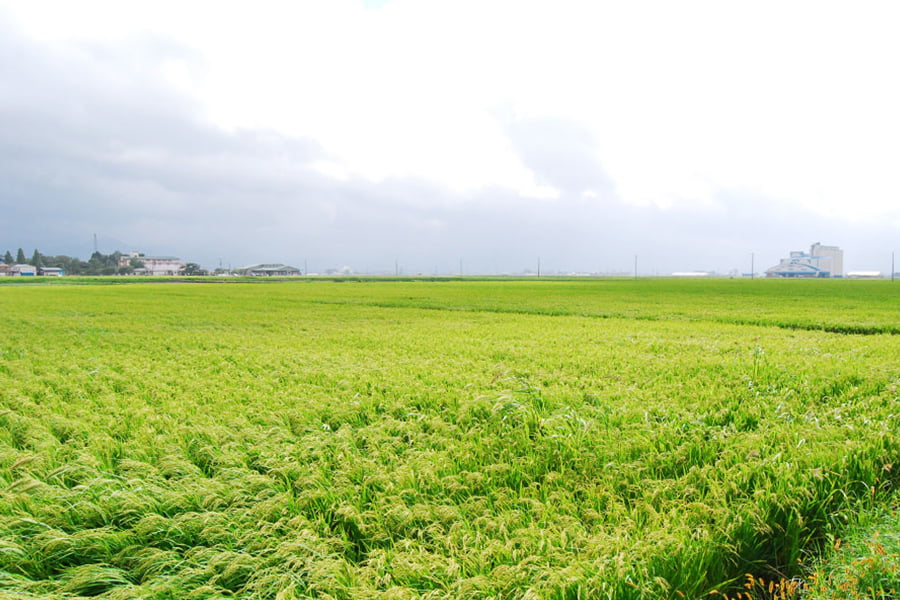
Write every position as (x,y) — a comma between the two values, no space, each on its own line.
(432,135)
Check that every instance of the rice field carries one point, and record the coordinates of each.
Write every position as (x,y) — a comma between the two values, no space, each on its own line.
(506,439)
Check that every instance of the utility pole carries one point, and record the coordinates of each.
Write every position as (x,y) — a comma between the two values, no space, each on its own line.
(892,266)
(752,267)
(539,266)
(305,268)
(635,266)
(397,267)
(460,268)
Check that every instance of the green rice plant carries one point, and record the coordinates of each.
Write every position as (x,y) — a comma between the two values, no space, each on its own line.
(92,579)
(505,439)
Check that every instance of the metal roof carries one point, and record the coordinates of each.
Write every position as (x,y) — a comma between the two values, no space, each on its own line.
(269,267)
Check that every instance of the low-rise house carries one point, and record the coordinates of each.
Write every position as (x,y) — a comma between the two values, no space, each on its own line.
(4,270)
(269,270)
(51,272)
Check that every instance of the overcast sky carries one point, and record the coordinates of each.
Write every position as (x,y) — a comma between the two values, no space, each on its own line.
(360,133)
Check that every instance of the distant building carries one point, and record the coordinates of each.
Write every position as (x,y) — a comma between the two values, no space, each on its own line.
(830,252)
(821,261)
(51,272)
(269,270)
(153,265)
(22,271)
(4,270)
(865,275)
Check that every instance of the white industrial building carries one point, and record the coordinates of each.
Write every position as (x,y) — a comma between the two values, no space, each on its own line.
(821,261)
(154,265)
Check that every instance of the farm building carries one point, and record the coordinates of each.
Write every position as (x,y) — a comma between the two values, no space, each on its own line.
(4,270)
(51,272)
(269,270)
(22,271)
(821,261)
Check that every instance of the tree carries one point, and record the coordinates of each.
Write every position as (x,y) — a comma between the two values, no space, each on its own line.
(194,269)
(20,257)
(134,263)
(36,259)
(94,264)
(8,258)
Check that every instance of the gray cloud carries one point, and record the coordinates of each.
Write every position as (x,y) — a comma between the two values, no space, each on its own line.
(561,153)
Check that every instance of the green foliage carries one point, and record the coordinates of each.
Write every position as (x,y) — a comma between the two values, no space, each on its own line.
(103,264)
(453,439)
(99,264)
(194,269)
(135,263)
(71,265)
(864,565)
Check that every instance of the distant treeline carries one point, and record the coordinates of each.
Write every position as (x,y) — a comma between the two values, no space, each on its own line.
(97,264)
